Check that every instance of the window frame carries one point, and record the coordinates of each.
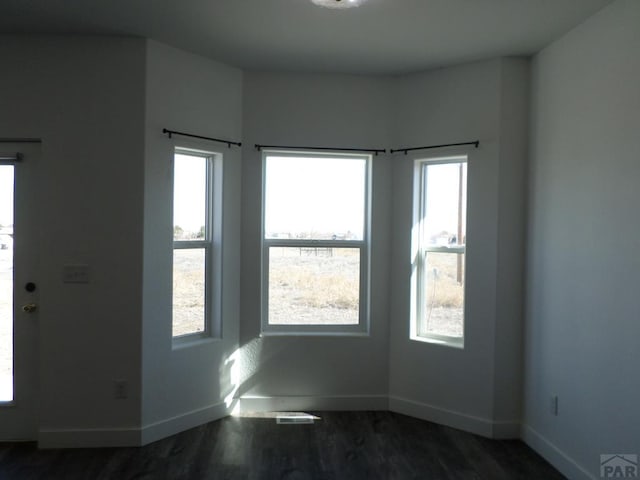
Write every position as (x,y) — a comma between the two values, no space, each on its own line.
(364,245)
(420,249)
(211,244)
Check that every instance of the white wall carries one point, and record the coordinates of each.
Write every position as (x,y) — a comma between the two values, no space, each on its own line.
(80,94)
(106,203)
(320,372)
(84,97)
(476,388)
(508,354)
(582,284)
(186,386)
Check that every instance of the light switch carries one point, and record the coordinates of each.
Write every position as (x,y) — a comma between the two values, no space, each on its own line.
(75,274)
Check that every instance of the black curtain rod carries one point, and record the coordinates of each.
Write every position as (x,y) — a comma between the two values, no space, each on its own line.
(20,140)
(375,151)
(228,142)
(405,150)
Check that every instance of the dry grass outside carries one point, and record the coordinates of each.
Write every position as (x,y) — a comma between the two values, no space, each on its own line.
(445,294)
(306,286)
(188,291)
(444,286)
(319,287)
(446,321)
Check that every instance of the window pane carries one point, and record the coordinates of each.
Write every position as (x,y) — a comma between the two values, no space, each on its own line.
(189,197)
(188,291)
(6,283)
(314,286)
(444,294)
(315,198)
(444,209)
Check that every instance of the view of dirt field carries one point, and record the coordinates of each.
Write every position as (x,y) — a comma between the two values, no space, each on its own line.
(319,286)
(188,291)
(444,294)
(314,286)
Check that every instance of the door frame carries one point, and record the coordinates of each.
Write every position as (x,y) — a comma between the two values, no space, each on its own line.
(19,417)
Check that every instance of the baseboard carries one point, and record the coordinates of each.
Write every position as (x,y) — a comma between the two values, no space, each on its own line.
(89,438)
(130,437)
(461,421)
(552,454)
(250,403)
(170,426)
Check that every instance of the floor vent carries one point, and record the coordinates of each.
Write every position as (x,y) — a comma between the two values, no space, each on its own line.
(294,419)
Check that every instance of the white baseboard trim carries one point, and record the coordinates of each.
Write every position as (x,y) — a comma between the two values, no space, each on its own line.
(89,438)
(170,426)
(130,437)
(450,418)
(251,403)
(552,454)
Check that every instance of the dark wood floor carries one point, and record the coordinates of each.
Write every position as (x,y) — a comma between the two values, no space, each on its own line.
(339,445)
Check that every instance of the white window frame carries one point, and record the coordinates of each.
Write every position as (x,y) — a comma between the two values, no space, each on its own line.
(362,327)
(211,244)
(420,248)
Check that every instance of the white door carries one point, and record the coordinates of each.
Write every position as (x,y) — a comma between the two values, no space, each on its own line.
(19,242)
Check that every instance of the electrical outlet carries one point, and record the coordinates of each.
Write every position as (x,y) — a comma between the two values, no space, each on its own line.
(120,389)
(554,405)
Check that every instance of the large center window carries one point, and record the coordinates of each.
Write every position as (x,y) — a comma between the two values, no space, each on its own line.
(315,243)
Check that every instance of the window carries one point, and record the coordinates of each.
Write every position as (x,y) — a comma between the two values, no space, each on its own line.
(315,243)
(196,243)
(438,250)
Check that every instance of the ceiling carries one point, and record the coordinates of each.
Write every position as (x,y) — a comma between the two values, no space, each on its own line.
(379,37)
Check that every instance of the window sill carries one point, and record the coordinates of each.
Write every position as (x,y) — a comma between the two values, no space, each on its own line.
(452,342)
(298,333)
(186,341)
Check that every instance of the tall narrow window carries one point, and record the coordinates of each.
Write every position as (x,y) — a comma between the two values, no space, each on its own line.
(194,266)
(315,243)
(439,245)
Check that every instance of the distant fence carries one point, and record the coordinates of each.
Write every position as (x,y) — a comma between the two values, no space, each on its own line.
(316,251)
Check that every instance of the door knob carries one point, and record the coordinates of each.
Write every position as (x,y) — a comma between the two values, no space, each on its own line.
(29,308)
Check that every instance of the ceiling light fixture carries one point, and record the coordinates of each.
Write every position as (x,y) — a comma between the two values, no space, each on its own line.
(338,3)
